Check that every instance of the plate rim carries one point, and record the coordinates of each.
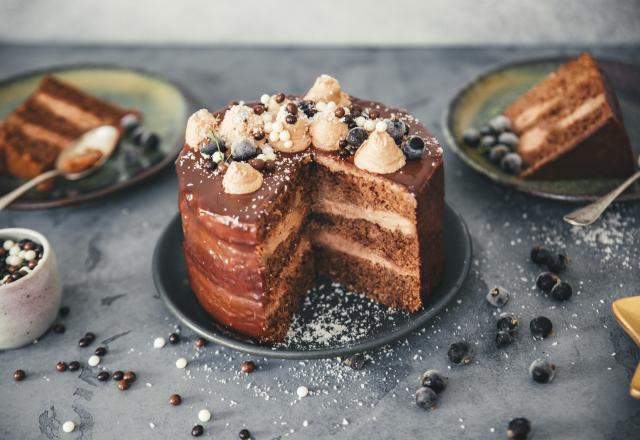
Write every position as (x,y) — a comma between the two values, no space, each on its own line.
(154,169)
(265,351)
(518,185)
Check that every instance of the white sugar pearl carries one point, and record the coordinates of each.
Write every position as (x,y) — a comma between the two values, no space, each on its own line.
(68,426)
(277,126)
(369,125)
(321,106)
(24,269)
(217,157)
(268,127)
(15,250)
(381,126)
(288,144)
(264,99)
(30,255)
(272,156)
(261,156)
(8,244)
(302,391)
(159,342)
(360,120)
(274,136)
(94,361)
(267,117)
(285,135)
(204,415)
(331,106)
(267,149)
(14,260)
(181,363)
(346,110)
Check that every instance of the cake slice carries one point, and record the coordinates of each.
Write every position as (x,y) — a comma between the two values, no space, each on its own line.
(570,126)
(55,114)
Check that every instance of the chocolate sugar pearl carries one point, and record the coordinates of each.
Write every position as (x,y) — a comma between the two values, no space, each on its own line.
(339,112)
(73,366)
(244,434)
(103,376)
(201,342)
(59,328)
(258,109)
(84,342)
(174,338)
(123,385)
(129,376)
(61,366)
(197,431)
(175,399)
(19,375)
(64,311)
(90,336)
(248,366)
(291,119)
(100,351)
(279,97)
(374,114)
(292,108)
(117,375)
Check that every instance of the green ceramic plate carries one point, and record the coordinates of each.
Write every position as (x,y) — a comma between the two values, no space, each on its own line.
(489,94)
(165,108)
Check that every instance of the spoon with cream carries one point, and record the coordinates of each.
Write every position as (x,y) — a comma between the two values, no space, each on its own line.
(76,161)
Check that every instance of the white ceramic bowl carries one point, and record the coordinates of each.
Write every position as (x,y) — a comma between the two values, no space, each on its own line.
(29,305)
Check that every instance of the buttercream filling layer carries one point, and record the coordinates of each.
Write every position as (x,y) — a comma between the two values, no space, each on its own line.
(342,244)
(385,219)
(80,117)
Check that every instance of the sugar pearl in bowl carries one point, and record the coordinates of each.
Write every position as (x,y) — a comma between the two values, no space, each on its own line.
(30,287)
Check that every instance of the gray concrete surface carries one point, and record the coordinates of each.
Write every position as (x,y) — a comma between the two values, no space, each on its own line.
(105,249)
(327,22)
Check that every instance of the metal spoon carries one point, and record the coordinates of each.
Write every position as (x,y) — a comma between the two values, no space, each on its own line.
(103,138)
(590,213)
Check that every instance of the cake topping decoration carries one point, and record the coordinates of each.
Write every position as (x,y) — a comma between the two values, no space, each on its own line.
(327,89)
(413,147)
(243,149)
(199,127)
(289,138)
(379,154)
(241,178)
(239,122)
(327,130)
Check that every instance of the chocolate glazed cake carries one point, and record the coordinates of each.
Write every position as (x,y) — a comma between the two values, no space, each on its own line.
(276,192)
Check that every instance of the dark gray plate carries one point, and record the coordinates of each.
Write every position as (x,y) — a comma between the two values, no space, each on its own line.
(490,93)
(366,324)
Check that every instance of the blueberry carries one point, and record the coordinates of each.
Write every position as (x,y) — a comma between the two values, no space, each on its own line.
(557,263)
(542,371)
(487,141)
(519,429)
(214,143)
(137,134)
(244,149)
(561,291)
(485,130)
(498,296)
(471,137)
(357,136)
(129,122)
(426,398)
(397,129)
(356,362)
(541,327)
(460,353)
(434,380)
(511,163)
(540,255)
(503,338)
(546,281)
(507,322)
(500,124)
(497,153)
(413,147)
(149,140)
(509,139)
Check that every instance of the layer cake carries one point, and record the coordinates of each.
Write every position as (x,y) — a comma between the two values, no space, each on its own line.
(276,192)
